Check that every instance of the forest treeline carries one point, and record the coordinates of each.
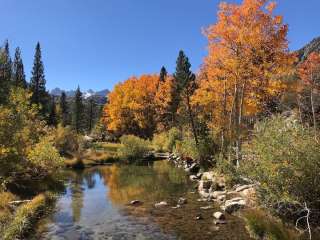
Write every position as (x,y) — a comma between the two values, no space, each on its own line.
(252,109)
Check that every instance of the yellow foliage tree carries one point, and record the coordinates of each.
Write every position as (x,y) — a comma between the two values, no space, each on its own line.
(248,52)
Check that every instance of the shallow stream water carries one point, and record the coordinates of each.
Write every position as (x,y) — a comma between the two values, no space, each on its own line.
(96,205)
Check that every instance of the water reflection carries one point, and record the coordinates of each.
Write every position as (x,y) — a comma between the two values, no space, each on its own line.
(147,184)
(95,206)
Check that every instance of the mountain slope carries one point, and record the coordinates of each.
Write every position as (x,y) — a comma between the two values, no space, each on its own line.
(313,46)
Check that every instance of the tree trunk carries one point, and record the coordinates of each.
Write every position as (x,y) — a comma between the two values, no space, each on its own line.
(313,112)
(192,121)
(224,112)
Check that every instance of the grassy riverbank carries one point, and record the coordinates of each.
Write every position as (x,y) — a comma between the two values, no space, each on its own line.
(16,222)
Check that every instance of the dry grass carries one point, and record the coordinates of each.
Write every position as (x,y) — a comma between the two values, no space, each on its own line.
(99,154)
(6,212)
(26,216)
(262,226)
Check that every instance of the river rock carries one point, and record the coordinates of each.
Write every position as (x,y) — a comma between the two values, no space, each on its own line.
(161,204)
(193,168)
(199,175)
(219,216)
(135,202)
(219,222)
(208,176)
(233,205)
(206,207)
(216,194)
(182,201)
(221,198)
(177,206)
(244,187)
(204,185)
(193,177)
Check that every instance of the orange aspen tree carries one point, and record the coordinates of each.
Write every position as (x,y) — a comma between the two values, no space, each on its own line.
(164,102)
(248,52)
(131,106)
(309,72)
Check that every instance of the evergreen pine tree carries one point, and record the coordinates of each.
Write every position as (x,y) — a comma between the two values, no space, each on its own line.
(78,112)
(8,62)
(64,109)
(5,73)
(185,85)
(91,114)
(18,75)
(163,74)
(52,119)
(38,81)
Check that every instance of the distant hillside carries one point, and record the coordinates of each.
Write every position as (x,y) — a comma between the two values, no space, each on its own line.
(313,46)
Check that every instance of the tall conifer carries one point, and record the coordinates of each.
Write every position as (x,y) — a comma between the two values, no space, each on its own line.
(78,112)
(18,75)
(38,81)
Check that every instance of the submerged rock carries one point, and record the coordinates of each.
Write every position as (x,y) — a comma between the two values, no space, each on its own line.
(206,207)
(219,222)
(178,206)
(182,201)
(219,216)
(135,202)
(161,204)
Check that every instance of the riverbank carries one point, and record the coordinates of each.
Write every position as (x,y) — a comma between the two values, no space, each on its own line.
(18,218)
(239,199)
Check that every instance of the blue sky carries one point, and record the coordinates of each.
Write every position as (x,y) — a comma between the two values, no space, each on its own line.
(97,43)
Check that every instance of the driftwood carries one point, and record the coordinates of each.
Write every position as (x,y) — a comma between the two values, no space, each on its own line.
(307,210)
(19,202)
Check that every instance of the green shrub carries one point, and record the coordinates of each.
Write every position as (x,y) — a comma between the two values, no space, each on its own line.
(166,141)
(66,140)
(44,156)
(284,158)
(160,142)
(202,152)
(133,148)
(262,226)
(174,135)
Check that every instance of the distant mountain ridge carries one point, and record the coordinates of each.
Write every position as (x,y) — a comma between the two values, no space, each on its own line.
(86,94)
(313,46)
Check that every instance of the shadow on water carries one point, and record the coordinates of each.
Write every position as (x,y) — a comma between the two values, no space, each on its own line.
(95,206)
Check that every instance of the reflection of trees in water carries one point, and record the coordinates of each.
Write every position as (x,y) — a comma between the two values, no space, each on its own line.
(161,181)
(89,177)
(76,195)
